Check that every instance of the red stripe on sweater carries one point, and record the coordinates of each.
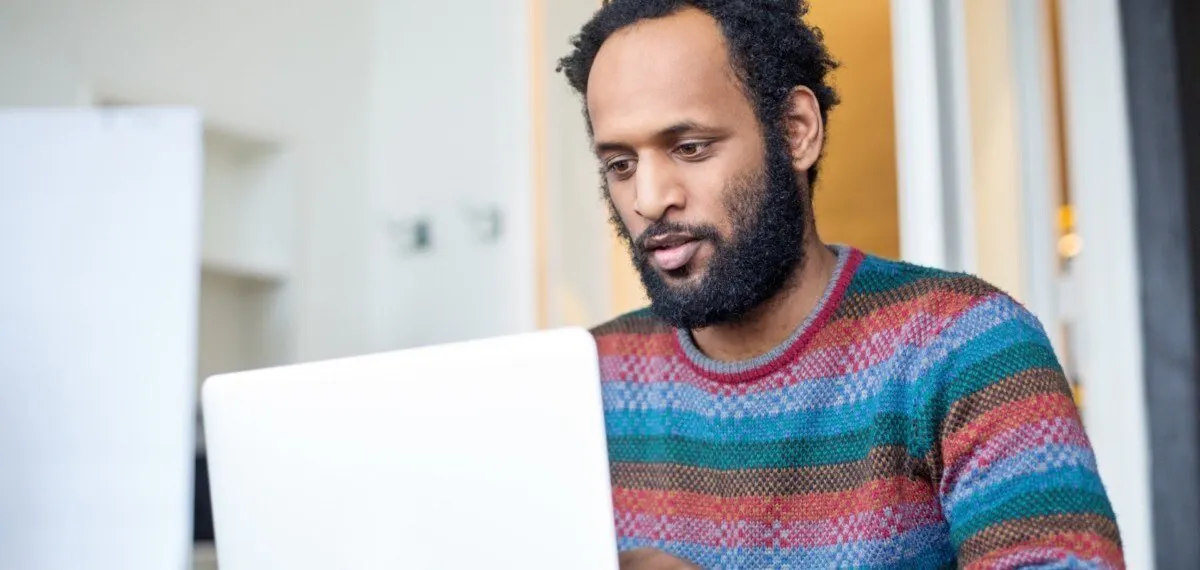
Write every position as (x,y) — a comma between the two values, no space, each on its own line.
(1056,431)
(876,494)
(1028,411)
(881,523)
(1053,548)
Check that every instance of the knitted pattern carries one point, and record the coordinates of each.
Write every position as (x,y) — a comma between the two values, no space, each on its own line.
(919,419)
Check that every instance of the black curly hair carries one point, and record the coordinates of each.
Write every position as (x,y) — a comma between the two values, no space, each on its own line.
(772,50)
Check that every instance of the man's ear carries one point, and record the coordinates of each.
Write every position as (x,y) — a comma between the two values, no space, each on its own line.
(804,127)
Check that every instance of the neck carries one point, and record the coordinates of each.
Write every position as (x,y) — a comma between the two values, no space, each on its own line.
(773,322)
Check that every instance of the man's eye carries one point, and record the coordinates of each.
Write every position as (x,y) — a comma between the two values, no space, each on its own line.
(692,149)
(622,166)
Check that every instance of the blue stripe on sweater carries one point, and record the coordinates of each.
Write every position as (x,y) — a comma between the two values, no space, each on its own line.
(1072,479)
(1037,461)
(816,394)
(901,551)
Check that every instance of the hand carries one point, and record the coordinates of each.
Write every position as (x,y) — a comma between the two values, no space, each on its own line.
(651,559)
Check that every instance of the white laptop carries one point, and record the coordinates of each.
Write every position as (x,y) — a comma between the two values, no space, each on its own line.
(483,454)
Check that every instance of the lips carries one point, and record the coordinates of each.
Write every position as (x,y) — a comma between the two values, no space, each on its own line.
(672,258)
(673,251)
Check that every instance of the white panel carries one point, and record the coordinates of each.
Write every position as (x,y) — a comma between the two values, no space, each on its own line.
(933,137)
(962,242)
(1110,343)
(1039,175)
(919,151)
(99,258)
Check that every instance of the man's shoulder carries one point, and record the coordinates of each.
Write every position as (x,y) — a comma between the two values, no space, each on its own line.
(958,315)
(636,335)
(936,302)
(893,274)
(922,285)
(641,322)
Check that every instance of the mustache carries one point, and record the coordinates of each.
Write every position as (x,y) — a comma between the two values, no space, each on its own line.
(661,228)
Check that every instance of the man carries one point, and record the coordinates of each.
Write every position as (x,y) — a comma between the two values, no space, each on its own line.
(783,402)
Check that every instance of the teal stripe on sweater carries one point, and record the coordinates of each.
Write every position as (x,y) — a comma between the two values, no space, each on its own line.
(821,422)
(986,499)
(1029,505)
(994,341)
(886,430)
(1002,365)
(876,281)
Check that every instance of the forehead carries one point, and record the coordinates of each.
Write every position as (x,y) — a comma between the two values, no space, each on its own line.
(661,72)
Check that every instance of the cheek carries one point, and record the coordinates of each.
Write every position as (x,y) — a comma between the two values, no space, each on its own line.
(712,184)
(707,201)
(621,207)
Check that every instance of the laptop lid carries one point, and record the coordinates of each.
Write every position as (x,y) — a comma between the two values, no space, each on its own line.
(482,454)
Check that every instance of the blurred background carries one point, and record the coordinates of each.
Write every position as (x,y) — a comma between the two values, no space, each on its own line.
(229,185)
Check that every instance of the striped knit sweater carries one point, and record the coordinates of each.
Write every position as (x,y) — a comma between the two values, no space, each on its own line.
(918,419)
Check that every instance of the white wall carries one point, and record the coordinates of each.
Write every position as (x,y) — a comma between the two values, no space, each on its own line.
(295,72)
(450,133)
(385,108)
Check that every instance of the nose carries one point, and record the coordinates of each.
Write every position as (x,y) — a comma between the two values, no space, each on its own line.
(658,188)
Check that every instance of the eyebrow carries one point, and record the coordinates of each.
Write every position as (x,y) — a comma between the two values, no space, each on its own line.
(673,131)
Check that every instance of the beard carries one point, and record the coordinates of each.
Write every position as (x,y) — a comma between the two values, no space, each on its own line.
(746,269)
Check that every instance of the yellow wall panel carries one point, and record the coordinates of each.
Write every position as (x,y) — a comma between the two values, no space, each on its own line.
(856,195)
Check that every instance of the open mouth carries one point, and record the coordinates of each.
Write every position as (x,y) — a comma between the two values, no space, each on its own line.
(671,252)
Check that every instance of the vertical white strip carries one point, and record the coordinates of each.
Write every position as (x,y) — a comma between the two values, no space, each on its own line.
(1038,188)
(1111,354)
(520,211)
(923,235)
(962,243)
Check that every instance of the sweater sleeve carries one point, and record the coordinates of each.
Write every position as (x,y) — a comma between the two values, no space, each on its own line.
(1016,473)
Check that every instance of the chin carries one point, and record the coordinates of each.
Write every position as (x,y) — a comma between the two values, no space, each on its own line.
(685,277)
